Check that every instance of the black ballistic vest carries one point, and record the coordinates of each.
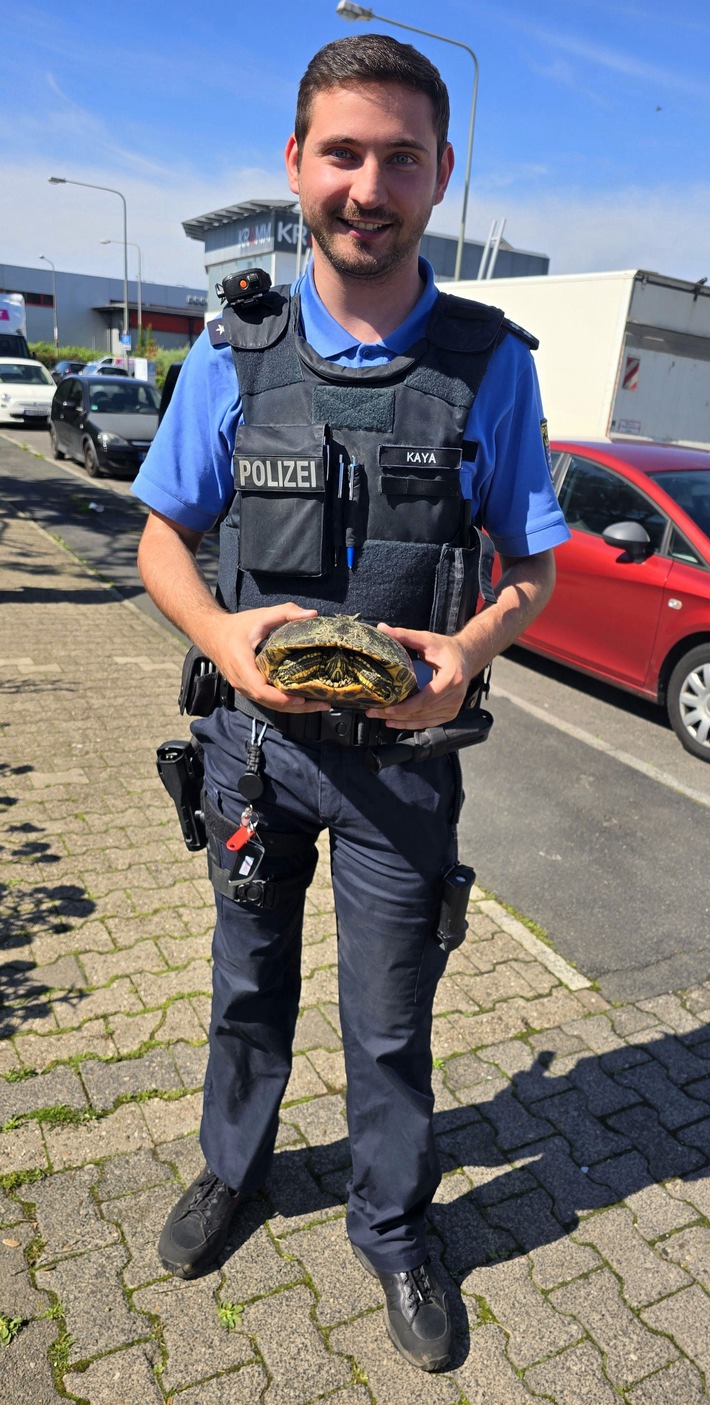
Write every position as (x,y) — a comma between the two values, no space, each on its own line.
(330,457)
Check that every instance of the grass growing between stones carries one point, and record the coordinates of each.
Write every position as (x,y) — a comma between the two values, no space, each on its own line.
(533,927)
(12,1180)
(18,1075)
(9,1328)
(33,1254)
(59,1354)
(485,1313)
(52,1116)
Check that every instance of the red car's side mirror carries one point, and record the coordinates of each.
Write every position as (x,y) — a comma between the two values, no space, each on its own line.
(630,537)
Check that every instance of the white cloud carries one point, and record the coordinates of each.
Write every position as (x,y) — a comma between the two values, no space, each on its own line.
(663,230)
(67,222)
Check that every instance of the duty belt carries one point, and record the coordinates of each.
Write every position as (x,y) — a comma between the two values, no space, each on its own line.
(345,726)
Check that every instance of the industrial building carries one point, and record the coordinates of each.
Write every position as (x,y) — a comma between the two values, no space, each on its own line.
(265,234)
(254,233)
(89,309)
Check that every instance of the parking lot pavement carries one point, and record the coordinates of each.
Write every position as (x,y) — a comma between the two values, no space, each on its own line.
(573,1218)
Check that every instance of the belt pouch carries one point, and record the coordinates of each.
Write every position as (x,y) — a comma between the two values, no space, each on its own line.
(462,580)
(283,483)
(199,686)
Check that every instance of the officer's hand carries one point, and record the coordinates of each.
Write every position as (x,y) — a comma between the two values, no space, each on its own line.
(440,700)
(234,656)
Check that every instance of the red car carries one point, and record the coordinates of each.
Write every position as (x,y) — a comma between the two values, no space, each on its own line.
(632,601)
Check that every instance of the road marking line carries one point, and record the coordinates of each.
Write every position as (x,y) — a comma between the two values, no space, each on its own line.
(598,744)
(542,953)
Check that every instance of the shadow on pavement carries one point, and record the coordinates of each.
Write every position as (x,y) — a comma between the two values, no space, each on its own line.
(30,905)
(105,539)
(48,595)
(610,1126)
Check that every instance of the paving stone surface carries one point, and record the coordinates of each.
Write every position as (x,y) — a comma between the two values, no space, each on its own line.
(190,1355)
(572,1223)
(127,1376)
(575,1377)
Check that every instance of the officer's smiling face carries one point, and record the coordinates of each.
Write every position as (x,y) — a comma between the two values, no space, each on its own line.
(368,176)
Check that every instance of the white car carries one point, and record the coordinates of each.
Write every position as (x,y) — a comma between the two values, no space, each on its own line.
(26,390)
(106,366)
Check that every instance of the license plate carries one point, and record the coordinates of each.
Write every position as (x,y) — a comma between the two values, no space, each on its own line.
(43,414)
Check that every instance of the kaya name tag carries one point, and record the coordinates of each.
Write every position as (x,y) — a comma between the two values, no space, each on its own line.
(418,456)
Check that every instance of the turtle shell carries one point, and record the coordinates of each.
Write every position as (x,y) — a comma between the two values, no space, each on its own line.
(337,659)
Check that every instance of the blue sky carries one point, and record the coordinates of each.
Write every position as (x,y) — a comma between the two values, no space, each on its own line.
(592,128)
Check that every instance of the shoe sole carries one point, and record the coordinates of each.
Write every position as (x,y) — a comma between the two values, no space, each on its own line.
(437,1363)
(180,1270)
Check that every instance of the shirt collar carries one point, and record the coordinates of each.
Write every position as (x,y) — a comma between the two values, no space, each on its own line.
(330,340)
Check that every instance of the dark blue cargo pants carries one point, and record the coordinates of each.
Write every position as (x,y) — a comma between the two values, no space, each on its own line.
(392,836)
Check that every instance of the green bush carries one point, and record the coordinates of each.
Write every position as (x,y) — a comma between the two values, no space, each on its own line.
(49,354)
(165,358)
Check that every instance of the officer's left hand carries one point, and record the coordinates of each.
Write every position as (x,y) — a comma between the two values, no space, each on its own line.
(440,700)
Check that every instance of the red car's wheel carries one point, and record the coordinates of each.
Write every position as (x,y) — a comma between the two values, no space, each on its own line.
(688,701)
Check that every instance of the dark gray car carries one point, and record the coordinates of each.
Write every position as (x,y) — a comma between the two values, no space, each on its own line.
(105,422)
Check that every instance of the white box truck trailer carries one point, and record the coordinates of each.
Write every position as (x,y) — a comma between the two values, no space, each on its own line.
(13,325)
(622,355)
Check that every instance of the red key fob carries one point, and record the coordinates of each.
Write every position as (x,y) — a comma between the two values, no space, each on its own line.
(240,837)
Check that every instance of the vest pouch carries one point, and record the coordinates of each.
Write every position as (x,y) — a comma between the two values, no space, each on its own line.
(282,482)
(463,579)
(419,495)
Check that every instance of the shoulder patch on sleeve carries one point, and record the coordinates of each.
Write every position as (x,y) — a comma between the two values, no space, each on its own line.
(532,341)
(218,336)
(546,444)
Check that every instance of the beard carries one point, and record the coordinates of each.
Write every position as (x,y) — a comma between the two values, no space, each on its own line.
(361,260)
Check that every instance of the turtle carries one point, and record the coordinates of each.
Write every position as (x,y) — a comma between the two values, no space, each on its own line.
(337,659)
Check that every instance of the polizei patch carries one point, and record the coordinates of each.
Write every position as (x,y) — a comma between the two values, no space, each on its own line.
(418,456)
(281,475)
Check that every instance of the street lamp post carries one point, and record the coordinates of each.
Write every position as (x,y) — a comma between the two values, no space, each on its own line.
(44,259)
(349,11)
(89,185)
(139,280)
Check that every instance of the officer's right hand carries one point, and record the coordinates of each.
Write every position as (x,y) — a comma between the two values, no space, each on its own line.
(234,650)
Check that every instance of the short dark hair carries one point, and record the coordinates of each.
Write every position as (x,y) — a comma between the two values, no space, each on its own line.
(373,58)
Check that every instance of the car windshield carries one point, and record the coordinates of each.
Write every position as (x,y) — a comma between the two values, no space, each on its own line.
(124,399)
(690,488)
(14,373)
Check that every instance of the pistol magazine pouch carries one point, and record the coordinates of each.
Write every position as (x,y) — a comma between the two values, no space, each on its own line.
(199,685)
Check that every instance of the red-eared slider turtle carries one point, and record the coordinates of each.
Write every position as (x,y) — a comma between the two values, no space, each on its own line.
(337,659)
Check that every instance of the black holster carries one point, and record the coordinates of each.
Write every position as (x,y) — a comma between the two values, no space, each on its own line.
(181,769)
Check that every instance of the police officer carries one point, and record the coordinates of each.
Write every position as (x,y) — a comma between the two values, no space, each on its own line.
(434,403)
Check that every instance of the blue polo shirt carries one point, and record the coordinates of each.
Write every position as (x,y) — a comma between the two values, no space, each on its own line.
(188,473)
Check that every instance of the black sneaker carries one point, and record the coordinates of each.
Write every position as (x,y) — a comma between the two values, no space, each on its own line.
(198,1226)
(418,1319)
